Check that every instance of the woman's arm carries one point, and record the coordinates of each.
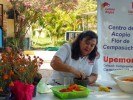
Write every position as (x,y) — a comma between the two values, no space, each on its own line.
(92,78)
(58,65)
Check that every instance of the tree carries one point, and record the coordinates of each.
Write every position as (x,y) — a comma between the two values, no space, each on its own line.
(86,6)
(55,24)
(27,12)
(65,15)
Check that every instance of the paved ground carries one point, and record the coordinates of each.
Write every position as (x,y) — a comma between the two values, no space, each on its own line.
(45,55)
(45,69)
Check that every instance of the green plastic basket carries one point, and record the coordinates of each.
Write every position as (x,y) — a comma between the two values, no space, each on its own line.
(70,95)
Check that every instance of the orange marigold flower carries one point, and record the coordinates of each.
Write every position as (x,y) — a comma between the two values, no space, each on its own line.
(5,77)
(21,70)
(41,62)
(11,73)
(11,84)
(12,57)
(5,59)
(35,66)
(1,90)
(18,62)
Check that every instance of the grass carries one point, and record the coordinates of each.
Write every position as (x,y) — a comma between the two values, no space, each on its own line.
(42,43)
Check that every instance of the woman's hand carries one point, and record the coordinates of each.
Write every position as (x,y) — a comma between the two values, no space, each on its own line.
(77,73)
(92,78)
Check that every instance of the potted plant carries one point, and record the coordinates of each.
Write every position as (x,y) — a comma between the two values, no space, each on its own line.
(6,73)
(18,70)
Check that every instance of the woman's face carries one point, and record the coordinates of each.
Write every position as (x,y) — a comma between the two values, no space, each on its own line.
(87,45)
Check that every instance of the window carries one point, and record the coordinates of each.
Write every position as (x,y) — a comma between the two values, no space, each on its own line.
(71,35)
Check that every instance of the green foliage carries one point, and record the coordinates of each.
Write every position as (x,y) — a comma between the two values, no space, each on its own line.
(45,42)
(55,24)
(13,42)
(58,22)
(86,6)
(61,19)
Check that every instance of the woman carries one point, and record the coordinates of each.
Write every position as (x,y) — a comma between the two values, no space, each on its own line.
(76,60)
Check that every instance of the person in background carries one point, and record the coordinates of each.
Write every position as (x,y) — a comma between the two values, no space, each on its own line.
(77,59)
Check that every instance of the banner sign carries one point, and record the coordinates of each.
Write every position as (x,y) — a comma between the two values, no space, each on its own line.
(115,31)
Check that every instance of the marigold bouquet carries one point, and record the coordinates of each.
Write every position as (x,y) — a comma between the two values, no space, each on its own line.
(14,65)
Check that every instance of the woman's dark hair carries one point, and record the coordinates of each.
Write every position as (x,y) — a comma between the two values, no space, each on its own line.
(76,45)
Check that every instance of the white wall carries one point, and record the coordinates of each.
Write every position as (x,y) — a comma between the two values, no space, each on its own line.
(5,4)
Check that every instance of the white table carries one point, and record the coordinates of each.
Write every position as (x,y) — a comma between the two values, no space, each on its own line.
(114,94)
